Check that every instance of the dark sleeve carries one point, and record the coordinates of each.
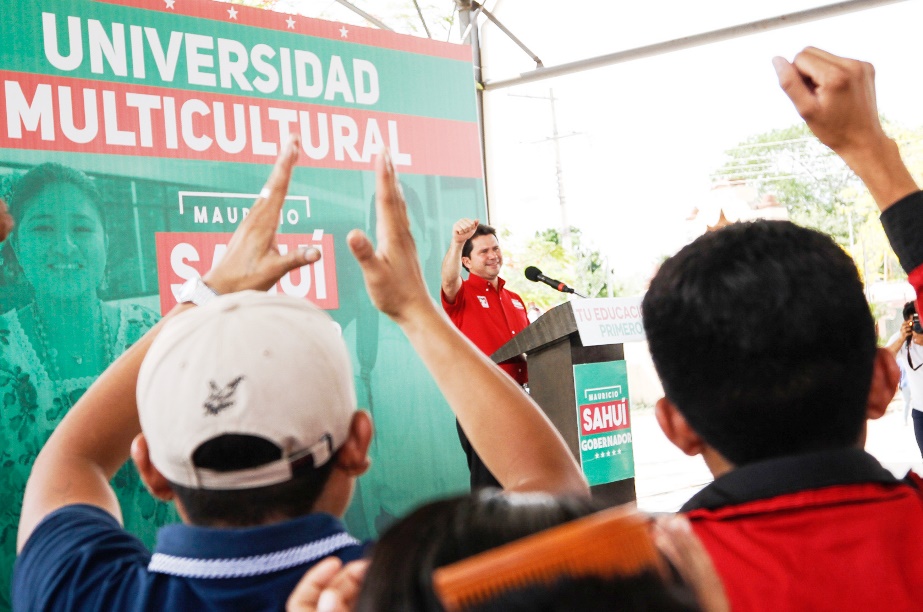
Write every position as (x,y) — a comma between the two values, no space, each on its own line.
(78,557)
(903,223)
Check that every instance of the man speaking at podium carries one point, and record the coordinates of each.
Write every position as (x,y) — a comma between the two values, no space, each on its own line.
(487,313)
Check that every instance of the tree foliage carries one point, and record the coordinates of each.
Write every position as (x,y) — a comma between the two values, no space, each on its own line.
(813,184)
(579,266)
(820,191)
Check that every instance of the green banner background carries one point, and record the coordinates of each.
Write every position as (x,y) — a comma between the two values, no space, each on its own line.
(415,453)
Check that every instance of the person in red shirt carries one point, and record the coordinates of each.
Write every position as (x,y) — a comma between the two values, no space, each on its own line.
(766,348)
(482,309)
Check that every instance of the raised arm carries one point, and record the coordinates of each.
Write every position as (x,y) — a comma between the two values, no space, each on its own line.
(451,263)
(507,429)
(836,98)
(94,439)
(902,337)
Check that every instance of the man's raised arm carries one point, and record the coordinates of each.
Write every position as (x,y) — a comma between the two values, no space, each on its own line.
(94,439)
(836,98)
(451,263)
(508,430)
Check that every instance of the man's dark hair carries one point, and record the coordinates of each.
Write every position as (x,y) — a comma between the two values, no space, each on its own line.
(763,340)
(481,230)
(910,309)
(250,507)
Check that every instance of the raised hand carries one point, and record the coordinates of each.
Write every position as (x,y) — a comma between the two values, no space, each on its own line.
(252,260)
(463,230)
(836,98)
(392,272)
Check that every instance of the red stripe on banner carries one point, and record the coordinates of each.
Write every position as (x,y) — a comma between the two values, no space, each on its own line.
(185,255)
(603,417)
(262,18)
(42,112)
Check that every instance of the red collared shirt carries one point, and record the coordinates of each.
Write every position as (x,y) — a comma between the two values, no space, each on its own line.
(489,317)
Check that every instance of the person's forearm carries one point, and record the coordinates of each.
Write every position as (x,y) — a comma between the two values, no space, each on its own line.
(881,168)
(451,270)
(510,433)
(895,346)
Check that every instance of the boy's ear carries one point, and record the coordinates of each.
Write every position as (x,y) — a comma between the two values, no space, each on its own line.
(885,376)
(353,457)
(676,429)
(155,482)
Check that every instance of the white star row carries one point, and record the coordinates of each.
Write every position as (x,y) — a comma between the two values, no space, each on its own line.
(232,14)
(608,454)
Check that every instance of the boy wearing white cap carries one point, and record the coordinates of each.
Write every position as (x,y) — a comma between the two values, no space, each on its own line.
(246,418)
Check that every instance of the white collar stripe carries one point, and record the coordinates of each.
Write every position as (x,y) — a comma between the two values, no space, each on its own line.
(240,567)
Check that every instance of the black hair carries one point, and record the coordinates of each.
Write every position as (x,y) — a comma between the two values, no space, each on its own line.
(256,506)
(399,577)
(644,592)
(763,340)
(480,230)
(910,309)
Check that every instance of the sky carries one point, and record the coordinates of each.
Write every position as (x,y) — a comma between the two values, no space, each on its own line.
(648,134)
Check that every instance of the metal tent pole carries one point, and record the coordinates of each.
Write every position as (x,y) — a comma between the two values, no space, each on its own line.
(686,42)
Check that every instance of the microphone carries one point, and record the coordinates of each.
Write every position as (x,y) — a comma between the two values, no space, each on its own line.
(535,275)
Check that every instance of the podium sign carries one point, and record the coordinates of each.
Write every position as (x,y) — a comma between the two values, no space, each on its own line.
(604,426)
(608,320)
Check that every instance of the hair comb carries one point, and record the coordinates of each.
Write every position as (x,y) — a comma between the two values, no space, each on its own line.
(609,543)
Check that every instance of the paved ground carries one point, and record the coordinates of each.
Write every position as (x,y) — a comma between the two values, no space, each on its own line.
(665,477)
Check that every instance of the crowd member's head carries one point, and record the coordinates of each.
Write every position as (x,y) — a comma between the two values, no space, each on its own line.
(481,254)
(401,572)
(248,413)
(909,310)
(765,344)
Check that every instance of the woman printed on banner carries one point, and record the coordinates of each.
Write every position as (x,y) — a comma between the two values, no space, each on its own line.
(60,336)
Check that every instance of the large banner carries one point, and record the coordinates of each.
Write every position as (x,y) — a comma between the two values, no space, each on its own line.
(135,134)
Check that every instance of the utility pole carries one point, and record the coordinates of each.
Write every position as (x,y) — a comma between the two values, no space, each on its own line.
(468,29)
(559,173)
(555,138)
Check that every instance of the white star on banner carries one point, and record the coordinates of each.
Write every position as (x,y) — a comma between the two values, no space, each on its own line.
(343,32)
(597,456)
(620,451)
(170,4)
(232,13)
(290,23)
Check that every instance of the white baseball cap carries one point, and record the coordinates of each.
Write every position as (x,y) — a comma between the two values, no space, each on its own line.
(249,364)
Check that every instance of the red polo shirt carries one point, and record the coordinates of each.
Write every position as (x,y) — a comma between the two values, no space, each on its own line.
(831,530)
(489,317)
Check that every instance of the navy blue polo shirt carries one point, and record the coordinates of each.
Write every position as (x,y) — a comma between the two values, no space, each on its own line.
(80,558)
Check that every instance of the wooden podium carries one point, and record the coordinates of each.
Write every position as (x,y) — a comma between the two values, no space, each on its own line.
(552,346)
